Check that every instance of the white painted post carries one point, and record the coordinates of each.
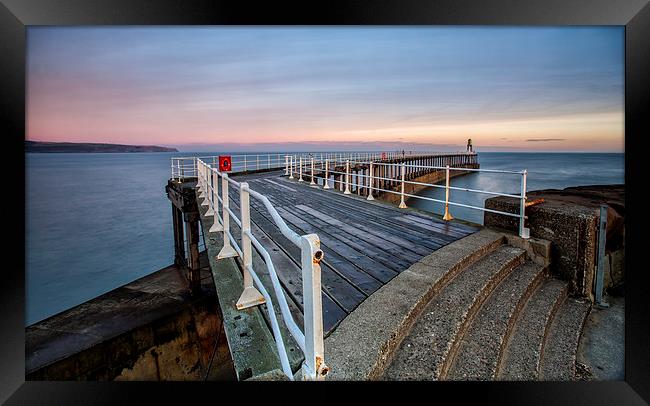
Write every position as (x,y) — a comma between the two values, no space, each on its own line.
(402,203)
(268,161)
(257,158)
(523,231)
(227,251)
(300,178)
(205,190)
(250,296)
(347,178)
(286,165)
(291,158)
(313,368)
(327,176)
(244,163)
(216,226)
(370,197)
(447,215)
(210,192)
(312,183)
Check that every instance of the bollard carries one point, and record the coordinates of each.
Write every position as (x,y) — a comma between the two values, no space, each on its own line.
(312,183)
(216,226)
(523,231)
(250,296)
(447,215)
(300,168)
(347,178)
(402,204)
(313,367)
(327,177)
(370,197)
(227,251)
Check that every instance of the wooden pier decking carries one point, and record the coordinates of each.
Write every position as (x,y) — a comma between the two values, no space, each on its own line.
(365,243)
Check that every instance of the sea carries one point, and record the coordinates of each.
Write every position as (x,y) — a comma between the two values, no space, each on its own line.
(97,221)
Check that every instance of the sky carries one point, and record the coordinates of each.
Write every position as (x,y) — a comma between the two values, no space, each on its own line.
(333,88)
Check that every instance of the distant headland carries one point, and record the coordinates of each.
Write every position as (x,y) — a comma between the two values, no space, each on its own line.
(37,146)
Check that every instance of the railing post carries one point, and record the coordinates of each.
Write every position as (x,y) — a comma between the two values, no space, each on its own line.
(371,173)
(313,368)
(286,165)
(600,270)
(291,158)
(257,159)
(447,215)
(327,176)
(209,190)
(312,183)
(300,168)
(244,163)
(402,203)
(347,177)
(227,251)
(250,296)
(216,226)
(205,190)
(523,231)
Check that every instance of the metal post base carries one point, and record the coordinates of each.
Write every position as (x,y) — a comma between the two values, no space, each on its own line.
(447,216)
(216,227)
(327,186)
(250,297)
(370,197)
(210,212)
(206,202)
(602,305)
(402,205)
(347,192)
(227,252)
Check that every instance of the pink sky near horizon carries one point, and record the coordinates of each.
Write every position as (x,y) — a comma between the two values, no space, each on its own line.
(98,89)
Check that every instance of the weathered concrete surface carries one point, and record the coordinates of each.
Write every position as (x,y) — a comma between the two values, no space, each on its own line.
(481,349)
(364,343)
(251,343)
(569,218)
(559,356)
(150,329)
(426,351)
(602,345)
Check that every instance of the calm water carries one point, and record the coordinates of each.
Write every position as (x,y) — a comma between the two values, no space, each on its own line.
(97,221)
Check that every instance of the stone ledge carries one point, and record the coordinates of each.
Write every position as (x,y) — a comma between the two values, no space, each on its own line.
(364,343)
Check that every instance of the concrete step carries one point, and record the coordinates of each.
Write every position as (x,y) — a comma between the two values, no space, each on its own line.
(423,353)
(522,355)
(481,347)
(559,356)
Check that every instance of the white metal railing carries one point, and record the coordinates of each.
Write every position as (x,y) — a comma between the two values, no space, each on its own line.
(394,176)
(185,167)
(254,293)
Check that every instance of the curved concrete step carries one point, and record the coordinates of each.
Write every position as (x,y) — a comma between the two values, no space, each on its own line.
(559,356)
(481,348)
(522,353)
(423,352)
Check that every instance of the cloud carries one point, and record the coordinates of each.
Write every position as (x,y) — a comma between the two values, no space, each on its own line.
(545,139)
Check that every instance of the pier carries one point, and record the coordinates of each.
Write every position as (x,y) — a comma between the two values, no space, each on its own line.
(312,239)
(315,266)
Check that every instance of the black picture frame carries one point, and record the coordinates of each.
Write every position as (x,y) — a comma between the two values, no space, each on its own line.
(15,15)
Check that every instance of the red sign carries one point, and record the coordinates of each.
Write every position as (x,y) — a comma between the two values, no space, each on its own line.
(225,163)
(383,155)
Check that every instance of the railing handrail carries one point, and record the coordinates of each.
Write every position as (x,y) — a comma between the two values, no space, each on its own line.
(399,181)
(311,340)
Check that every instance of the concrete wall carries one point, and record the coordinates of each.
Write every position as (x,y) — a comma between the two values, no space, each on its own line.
(570,220)
(148,330)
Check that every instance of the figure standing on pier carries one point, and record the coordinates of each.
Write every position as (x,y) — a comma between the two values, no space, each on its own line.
(469,145)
